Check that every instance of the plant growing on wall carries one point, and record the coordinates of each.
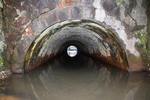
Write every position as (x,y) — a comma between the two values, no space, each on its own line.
(119,2)
(1,51)
(2,44)
(1,4)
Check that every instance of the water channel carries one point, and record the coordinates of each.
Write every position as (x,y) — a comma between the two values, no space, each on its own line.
(76,79)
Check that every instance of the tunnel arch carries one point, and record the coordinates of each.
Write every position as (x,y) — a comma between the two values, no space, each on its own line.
(100,42)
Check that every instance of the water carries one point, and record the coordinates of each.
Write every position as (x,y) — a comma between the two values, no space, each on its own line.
(83,80)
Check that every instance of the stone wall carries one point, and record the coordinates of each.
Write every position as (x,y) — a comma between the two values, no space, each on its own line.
(26,19)
(2,38)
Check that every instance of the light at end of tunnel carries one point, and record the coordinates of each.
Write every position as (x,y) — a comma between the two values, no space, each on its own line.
(72,51)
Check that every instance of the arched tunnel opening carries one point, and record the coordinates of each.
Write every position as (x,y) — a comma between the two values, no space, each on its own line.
(73,55)
(74,49)
(73,43)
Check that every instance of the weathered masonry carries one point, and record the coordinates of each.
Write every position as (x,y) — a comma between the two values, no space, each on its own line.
(113,31)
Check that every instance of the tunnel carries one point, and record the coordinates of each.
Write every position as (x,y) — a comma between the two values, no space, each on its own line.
(74,49)
(87,38)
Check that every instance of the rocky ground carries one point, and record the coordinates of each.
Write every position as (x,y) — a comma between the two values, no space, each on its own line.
(4,74)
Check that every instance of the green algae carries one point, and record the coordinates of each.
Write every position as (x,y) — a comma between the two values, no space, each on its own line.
(142,36)
(119,2)
(142,46)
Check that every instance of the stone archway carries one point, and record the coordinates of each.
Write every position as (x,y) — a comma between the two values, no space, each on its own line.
(100,42)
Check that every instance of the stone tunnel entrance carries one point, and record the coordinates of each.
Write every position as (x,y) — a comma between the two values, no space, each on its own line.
(91,39)
(74,49)
(37,31)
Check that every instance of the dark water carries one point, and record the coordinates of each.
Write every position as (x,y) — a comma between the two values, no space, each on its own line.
(83,80)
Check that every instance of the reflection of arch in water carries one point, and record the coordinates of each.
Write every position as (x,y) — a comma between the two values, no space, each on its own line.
(99,42)
(87,82)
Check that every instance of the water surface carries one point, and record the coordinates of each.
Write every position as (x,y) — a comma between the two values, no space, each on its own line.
(85,80)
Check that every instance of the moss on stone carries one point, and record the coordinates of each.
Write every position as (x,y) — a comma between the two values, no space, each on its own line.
(1,63)
(142,36)
(119,2)
(1,4)
(143,48)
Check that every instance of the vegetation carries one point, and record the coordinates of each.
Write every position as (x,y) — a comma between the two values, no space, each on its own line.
(1,57)
(1,63)
(142,46)
(119,2)
(1,5)
(143,37)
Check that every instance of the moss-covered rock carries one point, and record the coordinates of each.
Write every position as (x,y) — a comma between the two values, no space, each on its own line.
(2,39)
(142,46)
(119,2)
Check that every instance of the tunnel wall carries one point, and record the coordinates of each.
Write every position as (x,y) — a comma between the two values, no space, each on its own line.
(26,19)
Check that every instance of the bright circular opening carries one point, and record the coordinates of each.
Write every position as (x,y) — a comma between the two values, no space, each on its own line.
(72,51)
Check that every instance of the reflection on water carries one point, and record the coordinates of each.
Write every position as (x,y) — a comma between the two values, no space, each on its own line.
(90,81)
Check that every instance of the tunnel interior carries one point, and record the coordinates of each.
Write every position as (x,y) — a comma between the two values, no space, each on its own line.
(81,48)
(77,61)
(88,39)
